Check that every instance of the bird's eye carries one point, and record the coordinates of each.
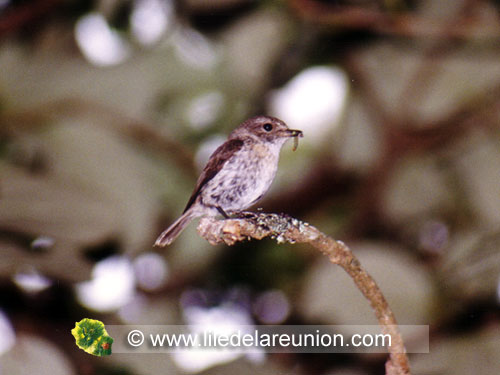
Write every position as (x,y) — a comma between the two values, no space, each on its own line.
(268,127)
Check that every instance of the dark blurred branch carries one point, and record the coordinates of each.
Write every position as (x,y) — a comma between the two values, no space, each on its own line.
(12,124)
(405,134)
(24,15)
(419,83)
(287,229)
(393,24)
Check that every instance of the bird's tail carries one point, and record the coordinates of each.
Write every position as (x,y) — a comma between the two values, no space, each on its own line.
(172,232)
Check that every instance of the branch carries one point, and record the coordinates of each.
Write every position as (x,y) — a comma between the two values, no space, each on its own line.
(18,17)
(140,131)
(284,228)
(391,23)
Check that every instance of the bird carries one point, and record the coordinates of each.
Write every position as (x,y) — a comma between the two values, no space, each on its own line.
(237,174)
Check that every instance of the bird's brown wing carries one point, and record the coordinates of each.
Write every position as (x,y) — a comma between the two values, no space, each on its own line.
(214,165)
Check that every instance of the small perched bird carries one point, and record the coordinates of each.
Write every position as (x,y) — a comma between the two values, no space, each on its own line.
(237,174)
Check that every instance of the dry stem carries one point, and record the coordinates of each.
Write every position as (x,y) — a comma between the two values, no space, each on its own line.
(287,229)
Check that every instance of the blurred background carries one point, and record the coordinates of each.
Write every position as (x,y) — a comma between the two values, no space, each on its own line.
(109,109)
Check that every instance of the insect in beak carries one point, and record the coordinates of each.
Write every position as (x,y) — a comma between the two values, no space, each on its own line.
(296,134)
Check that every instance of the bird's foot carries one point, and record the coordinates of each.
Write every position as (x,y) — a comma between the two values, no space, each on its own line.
(243,215)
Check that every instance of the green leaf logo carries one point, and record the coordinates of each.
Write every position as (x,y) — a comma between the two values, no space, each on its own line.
(91,336)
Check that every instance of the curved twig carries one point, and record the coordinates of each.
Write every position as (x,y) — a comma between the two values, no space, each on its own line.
(287,229)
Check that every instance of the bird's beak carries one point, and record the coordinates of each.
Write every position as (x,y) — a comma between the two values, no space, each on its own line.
(295,133)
